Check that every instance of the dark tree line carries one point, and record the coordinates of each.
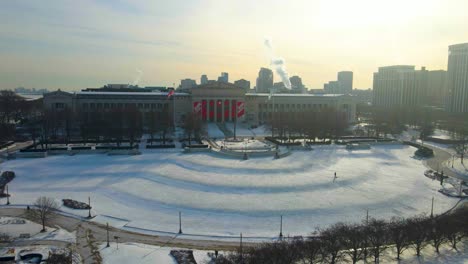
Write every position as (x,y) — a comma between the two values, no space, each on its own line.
(193,126)
(14,110)
(311,125)
(355,242)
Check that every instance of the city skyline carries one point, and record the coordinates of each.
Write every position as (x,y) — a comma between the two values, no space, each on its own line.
(50,45)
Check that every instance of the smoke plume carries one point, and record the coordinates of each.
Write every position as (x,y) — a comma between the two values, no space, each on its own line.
(278,63)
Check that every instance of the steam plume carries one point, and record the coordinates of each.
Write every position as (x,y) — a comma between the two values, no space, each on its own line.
(278,63)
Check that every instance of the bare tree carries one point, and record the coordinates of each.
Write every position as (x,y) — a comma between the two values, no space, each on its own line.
(354,238)
(418,232)
(377,234)
(398,235)
(44,207)
(333,242)
(436,232)
(312,250)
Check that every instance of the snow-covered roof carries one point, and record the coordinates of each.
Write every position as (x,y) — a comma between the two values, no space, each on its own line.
(294,95)
(127,93)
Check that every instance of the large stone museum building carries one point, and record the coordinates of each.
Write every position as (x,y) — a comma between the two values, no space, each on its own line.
(214,102)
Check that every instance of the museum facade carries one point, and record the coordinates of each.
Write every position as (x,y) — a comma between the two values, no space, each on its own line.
(213,102)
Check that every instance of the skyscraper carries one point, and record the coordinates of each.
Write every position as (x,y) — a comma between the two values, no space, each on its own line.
(204,79)
(345,82)
(457,78)
(224,77)
(243,83)
(400,85)
(296,84)
(187,83)
(264,80)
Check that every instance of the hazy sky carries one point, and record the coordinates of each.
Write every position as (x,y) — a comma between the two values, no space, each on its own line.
(76,44)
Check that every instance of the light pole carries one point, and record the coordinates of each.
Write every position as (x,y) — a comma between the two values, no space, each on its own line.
(432,207)
(107,229)
(8,196)
(89,207)
(281,228)
(180,222)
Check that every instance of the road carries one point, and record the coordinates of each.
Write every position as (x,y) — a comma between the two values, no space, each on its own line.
(90,235)
(439,163)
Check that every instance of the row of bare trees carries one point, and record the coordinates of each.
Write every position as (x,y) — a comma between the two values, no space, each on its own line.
(14,109)
(324,124)
(393,121)
(114,125)
(355,242)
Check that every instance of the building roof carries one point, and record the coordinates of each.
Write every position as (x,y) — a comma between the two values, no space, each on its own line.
(294,95)
(127,93)
(218,85)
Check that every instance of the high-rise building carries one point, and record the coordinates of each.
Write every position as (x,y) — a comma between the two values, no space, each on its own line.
(264,80)
(224,77)
(332,87)
(204,79)
(457,78)
(436,88)
(296,84)
(400,85)
(345,82)
(243,83)
(187,83)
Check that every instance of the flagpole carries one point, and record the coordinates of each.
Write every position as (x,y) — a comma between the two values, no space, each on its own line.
(173,110)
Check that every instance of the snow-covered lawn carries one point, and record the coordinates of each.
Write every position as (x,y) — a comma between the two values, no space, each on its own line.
(441,134)
(143,254)
(245,143)
(460,168)
(213,131)
(225,197)
(14,227)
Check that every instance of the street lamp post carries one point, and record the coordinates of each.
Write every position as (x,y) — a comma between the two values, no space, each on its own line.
(7,195)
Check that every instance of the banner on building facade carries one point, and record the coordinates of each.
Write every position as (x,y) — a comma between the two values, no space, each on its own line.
(240,109)
(197,107)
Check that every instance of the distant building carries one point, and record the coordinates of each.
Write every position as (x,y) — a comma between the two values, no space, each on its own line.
(457,78)
(362,96)
(204,79)
(345,82)
(243,83)
(187,84)
(264,80)
(224,77)
(436,88)
(296,84)
(400,85)
(332,87)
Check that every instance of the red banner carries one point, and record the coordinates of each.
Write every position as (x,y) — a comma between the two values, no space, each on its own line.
(197,107)
(240,109)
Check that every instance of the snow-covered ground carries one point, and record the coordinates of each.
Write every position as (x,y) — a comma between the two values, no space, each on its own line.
(213,131)
(245,143)
(14,227)
(441,134)
(143,254)
(458,167)
(224,197)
